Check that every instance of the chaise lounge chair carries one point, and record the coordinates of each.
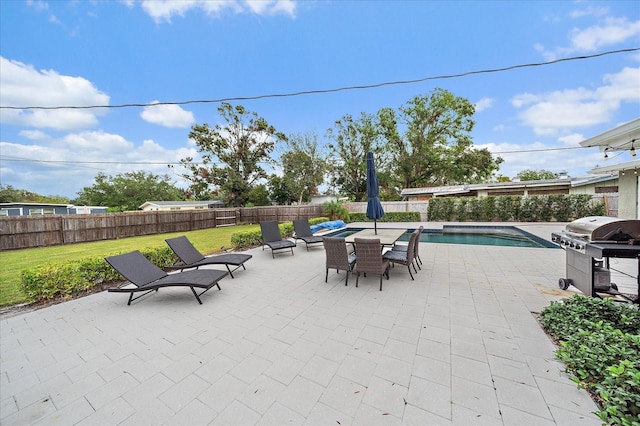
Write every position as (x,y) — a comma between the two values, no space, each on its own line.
(303,232)
(190,257)
(272,237)
(147,277)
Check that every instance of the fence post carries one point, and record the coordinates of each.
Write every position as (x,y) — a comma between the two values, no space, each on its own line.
(61,224)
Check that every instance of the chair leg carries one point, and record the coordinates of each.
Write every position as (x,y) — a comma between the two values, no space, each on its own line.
(357,277)
(409,268)
(326,276)
(346,281)
(381,281)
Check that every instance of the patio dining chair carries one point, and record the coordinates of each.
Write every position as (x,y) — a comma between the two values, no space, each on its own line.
(369,259)
(302,231)
(404,257)
(338,257)
(403,247)
(272,238)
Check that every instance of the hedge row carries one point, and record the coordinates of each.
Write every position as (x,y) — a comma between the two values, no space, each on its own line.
(74,277)
(388,217)
(531,208)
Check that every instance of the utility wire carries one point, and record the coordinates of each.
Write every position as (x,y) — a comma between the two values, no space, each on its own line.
(339,89)
(169,163)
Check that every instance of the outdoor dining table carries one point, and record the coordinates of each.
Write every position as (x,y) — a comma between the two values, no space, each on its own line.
(387,237)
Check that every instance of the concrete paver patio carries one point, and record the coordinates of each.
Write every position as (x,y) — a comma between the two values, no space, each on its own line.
(277,345)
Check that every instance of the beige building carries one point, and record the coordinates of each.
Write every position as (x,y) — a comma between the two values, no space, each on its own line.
(625,137)
(565,185)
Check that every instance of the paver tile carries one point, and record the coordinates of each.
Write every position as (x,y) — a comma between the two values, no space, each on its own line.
(301,395)
(456,346)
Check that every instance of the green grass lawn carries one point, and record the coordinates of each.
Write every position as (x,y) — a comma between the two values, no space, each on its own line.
(12,262)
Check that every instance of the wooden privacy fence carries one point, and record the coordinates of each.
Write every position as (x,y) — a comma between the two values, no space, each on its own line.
(38,231)
(279,213)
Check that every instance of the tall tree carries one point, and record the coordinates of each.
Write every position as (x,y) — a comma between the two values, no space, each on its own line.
(352,139)
(128,191)
(279,191)
(9,194)
(304,166)
(231,154)
(536,175)
(436,147)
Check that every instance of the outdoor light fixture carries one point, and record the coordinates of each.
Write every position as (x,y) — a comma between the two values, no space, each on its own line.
(606,156)
(633,150)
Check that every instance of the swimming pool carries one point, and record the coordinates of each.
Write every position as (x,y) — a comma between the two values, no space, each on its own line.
(506,236)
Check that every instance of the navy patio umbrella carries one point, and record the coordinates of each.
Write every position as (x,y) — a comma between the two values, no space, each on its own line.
(374,208)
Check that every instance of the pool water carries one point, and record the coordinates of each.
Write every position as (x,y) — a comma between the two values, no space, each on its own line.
(506,236)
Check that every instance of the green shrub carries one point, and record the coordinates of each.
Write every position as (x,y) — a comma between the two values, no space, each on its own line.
(335,210)
(532,208)
(600,345)
(66,279)
(388,217)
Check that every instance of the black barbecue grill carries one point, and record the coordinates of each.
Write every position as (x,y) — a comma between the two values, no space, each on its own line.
(589,242)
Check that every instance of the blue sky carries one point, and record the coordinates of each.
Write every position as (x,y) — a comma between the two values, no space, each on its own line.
(79,53)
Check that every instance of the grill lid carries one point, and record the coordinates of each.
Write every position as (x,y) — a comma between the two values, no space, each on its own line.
(604,228)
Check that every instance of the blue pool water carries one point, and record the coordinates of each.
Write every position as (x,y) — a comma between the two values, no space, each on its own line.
(508,236)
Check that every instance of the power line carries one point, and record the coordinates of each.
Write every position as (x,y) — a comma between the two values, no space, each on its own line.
(339,89)
(173,163)
(540,150)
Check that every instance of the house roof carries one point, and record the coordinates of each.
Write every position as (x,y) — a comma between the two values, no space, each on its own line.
(617,139)
(615,168)
(181,203)
(18,203)
(461,189)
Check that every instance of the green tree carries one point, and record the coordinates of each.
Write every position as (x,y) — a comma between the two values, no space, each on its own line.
(536,175)
(128,191)
(279,191)
(303,165)
(231,154)
(258,196)
(9,194)
(352,139)
(436,147)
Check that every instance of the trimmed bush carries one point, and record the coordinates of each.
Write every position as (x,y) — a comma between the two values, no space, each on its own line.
(600,345)
(388,217)
(67,279)
(532,208)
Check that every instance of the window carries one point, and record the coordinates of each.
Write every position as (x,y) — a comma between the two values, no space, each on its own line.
(41,211)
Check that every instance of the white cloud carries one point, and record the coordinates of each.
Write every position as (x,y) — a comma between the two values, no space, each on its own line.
(589,11)
(167,115)
(21,85)
(573,139)
(484,103)
(33,134)
(539,156)
(164,10)
(607,32)
(63,166)
(553,112)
